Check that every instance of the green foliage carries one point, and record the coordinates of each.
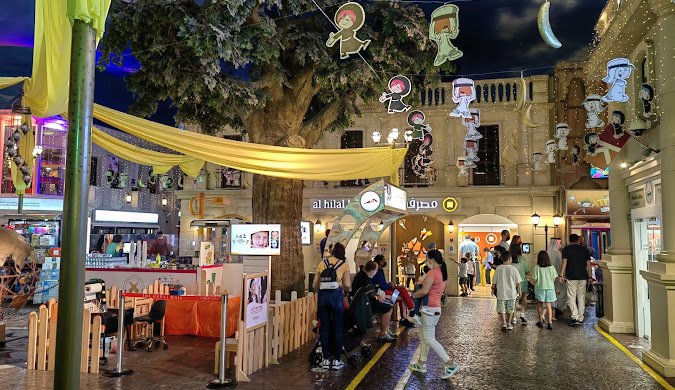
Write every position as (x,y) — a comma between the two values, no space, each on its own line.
(222,61)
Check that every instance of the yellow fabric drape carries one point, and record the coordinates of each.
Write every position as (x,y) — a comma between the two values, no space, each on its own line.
(26,145)
(289,163)
(90,11)
(160,162)
(6,82)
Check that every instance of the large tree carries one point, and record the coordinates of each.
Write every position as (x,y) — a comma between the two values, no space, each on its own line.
(263,67)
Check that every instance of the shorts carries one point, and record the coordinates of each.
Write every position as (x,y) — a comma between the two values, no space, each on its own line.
(463,280)
(380,307)
(505,305)
(545,295)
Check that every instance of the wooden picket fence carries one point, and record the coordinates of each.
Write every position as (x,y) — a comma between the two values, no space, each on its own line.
(42,339)
(291,323)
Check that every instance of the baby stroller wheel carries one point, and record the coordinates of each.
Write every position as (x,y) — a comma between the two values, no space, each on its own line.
(315,358)
(367,351)
(353,361)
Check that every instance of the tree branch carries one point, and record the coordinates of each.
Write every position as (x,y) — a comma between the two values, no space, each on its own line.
(312,128)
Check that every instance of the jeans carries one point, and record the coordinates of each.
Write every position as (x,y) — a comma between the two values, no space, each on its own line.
(487,275)
(419,301)
(428,337)
(331,317)
(576,298)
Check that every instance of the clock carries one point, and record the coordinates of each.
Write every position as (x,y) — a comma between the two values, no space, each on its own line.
(370,201)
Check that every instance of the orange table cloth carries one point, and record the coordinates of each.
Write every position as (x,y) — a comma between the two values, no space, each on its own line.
(199,318)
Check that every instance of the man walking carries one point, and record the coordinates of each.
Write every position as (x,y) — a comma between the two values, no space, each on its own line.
(576,270)
(470,250)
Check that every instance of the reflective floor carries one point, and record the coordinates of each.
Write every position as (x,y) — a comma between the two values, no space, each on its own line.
(524,358)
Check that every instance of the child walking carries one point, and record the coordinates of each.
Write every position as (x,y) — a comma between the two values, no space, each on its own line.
(415,313)
(544,277)
(464,276)
(506,286)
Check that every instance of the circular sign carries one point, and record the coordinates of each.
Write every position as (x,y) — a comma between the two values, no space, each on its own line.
(450,204)
(370,201)
(491,238)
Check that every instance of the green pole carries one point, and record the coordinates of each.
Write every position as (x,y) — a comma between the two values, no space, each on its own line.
(75,208)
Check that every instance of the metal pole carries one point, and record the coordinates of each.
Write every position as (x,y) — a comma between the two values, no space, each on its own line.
(118,371)
(75,208)
(222,381)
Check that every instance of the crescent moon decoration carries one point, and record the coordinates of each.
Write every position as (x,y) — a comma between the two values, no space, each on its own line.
(527,118)
(544,24)
(522,94)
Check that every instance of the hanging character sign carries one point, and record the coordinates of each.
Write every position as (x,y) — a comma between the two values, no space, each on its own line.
(461,165)
(562,130)
(618,71)
(463,93)
(471,150)
(591,143)
(472,124)
(593,106)
(615,124)
(349,18)
(421,162)
(416,119)
(646,94)
(576,154)
(400,87)
(550,151)
(443,28)
(537,160)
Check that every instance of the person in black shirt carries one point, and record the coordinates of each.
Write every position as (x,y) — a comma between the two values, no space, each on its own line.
(576,271)
(362,280)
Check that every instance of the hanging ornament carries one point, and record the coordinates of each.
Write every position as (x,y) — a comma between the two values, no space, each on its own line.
(537,160)
(349,18)
(472,124)
(421,162)
(24,128)
(461,164)
(618,71)
(591,143)
(18,160)
(10,143)
(527,118)
(400,87)
(463,93)
(593,106)
(562,130)
(545,29)
(576,154)
(416,119)
(11,151)
(521,93)
(471,149)
(27,179)
(646,94)
(615,125)
(24,168)
(444,26)
(166,183)
(16,135)
(551,147)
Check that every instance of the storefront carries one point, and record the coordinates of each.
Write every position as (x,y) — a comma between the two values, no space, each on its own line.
(587,214)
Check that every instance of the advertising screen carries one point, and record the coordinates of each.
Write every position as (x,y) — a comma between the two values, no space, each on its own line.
(256,240)
(305,233)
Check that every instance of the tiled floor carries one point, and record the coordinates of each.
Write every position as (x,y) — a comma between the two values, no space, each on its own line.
(525,358)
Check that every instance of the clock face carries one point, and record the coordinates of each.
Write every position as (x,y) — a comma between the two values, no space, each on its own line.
(370,201)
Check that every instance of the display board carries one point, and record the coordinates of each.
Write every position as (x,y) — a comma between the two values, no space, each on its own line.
(256,298)
(256,240)
(305,233)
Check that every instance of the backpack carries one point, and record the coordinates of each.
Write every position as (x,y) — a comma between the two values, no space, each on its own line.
(328,278)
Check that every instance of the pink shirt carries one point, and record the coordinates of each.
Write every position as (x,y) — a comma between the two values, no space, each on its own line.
(437,288)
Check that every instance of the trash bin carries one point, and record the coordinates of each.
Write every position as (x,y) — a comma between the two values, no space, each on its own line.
(600,303)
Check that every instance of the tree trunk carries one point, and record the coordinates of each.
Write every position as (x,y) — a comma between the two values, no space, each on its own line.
(279,201)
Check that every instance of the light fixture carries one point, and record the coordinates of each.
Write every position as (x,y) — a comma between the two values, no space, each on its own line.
(390,139)
(557,220)
(407,136)
(394,133)
(37,150)
(317,226)
(623,165)
(380,226)
(165,201)
(535,218)
(377,137)
(451,227)
(127,197)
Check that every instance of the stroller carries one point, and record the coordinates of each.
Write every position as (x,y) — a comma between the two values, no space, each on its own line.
(358,318)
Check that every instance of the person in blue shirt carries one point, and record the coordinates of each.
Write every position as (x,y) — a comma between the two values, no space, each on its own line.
(380,281)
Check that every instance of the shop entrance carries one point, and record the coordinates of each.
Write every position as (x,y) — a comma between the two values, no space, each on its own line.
(647,244)
(416,233)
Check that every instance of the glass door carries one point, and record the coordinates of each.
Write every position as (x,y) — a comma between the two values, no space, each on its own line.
(647,245)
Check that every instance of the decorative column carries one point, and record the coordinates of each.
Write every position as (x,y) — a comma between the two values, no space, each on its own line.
(617,264)
(661,275)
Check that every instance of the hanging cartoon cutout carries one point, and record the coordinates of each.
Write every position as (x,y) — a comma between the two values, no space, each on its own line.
(471,150)
(646,94)
(591,141)
(416,119)
(349,18)
(399,86)
(593,106)
(461,165)
(562,130)
(615,125)
(576,154)
(550,151)
(471,124)
(443,28)
(537,160)
(618,71)
(421,163)
(463,93)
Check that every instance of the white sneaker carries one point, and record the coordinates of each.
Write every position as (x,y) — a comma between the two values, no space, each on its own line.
(509,327)
(422,368)
(325,364)
(514,320)
(449,371)
(338,365)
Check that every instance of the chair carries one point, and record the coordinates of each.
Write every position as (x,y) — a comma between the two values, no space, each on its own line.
(111,324)
(155,315)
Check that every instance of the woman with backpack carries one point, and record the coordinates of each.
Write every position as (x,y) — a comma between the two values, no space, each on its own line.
(333,278)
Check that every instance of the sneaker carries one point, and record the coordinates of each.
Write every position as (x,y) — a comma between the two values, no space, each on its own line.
(407,323)
(417,320)
(325,364)
(514,320)
(449,371)
(550,326)
(523,320)
(338,365)
(387,338)
(574,323)
(509,327)
(504,326)
(416,367)
(540,325)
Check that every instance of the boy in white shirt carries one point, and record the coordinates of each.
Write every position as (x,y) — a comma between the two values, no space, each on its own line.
(506,287)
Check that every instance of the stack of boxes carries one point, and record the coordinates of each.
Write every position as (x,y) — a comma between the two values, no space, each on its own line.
(47,286)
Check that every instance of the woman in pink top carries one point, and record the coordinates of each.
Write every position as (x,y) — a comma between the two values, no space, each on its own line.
(434,287)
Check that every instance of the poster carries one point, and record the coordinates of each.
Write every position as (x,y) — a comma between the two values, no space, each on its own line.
(206,253)
(305,233)
(256,298)
(256,240)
